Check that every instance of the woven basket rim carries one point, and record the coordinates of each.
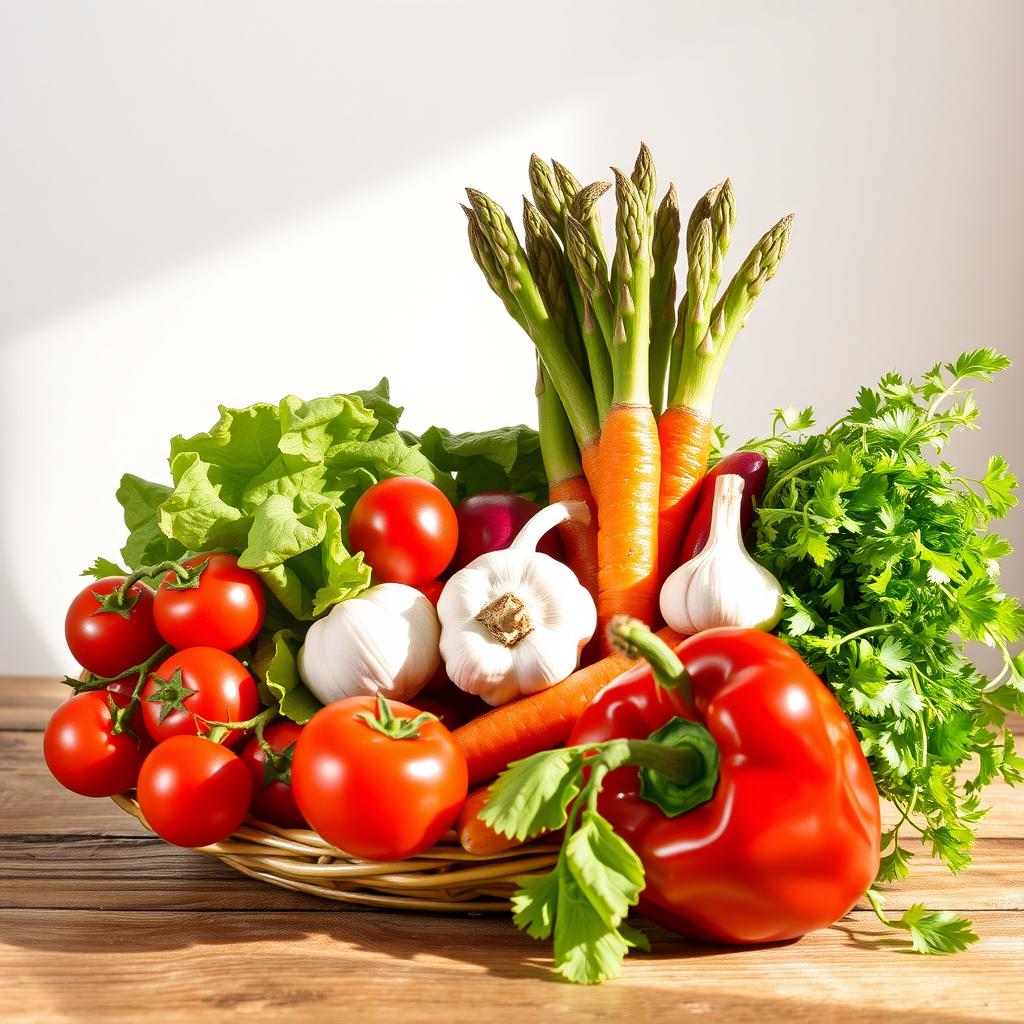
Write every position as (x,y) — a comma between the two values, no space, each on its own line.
(444,878)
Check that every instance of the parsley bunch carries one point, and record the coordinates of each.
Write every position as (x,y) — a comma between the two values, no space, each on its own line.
(890,568)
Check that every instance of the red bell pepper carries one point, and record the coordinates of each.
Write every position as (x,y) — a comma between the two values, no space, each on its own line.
(721,787)
(790,840)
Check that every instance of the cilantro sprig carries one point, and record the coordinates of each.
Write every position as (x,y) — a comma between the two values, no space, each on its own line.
(890,568)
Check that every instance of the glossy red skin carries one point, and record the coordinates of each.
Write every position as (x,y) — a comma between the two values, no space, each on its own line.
(431,590)
(406,529)
(274,802)
(225,692)
(491,521)
(372,796)
(790,840)
(83,753)
(106,643)
(194,792)
(225,611)
(753,467)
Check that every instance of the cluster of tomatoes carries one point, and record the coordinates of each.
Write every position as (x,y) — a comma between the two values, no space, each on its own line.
(170,708)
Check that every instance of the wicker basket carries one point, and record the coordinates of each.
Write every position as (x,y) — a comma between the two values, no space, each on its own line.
(444,878)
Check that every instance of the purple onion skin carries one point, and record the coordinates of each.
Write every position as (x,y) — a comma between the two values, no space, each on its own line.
(490,522)
(753,467)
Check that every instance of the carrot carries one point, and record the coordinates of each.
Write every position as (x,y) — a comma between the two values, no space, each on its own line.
(686,436)
(541,721)
(566,480)
(578,539)
(477,837)
(705,331)
(628,529)
(627,537)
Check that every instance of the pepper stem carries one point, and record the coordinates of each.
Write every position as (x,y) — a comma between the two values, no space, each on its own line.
(633,639)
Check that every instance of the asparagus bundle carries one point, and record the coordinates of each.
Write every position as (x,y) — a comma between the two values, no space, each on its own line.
(633,375)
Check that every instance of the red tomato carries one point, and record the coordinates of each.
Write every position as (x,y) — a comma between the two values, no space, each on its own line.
(221,691)
(406,529)
(372,795)
(432,590)
(193,792)
(273,801)
(83,752)
(108,643)
(224,610)
(491,521)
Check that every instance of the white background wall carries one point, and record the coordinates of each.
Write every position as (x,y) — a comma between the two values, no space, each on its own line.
(205,203)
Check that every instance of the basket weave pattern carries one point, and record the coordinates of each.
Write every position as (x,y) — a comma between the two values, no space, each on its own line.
(444,878)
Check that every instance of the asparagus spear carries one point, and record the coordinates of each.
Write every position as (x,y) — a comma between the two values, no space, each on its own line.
(488,264)
(592,275)
(566,375)
(723,217)
(631,291)
(547,193)
(584,208)
(704,355)
(568,183)
(664,250)
(645,178)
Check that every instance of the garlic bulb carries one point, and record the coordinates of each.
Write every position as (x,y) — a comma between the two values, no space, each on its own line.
(514,621)
(723,585)
(383,641)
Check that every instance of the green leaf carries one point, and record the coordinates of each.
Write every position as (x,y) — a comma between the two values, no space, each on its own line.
(982,363)
(895,865)
(607,871)
(102,567)
(532,795)
(195,514)
(535,903)
(587,950)
(936,932)
(999,484)
(276,666)
(146,544)
(506,459)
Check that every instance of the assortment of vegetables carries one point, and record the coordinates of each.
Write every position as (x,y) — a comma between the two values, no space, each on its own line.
(315,605)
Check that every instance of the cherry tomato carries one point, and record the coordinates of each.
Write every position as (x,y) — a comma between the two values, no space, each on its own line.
(108,643)
(406,529)
(372,795)
(193,792)
(224,610)
(222,690)
(431,590)
(83,752)
(273,801)
(490,522)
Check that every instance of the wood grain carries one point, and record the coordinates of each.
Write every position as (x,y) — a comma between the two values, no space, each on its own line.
(99,921)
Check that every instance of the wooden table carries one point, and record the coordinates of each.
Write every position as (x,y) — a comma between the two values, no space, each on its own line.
(101,921)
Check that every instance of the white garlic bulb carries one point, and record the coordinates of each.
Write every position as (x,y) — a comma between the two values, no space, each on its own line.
(723,585)
(515,621)
(383,641)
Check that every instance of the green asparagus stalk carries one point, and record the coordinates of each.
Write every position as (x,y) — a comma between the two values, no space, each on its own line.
(645,178)
(547,193)
(592,275)
(584,208)
(631,292)
(488,264)
(704,354)
(559,451)
(568,183)
(664,250)
(723,218)
(566,375)
(702,211)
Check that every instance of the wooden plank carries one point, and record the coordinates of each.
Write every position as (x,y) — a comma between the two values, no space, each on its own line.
(26,702)
(147,874)
(80,966)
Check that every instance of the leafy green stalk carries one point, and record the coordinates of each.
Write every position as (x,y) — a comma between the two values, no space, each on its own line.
(631,292)
(664,250)
(566,375)
(706,343)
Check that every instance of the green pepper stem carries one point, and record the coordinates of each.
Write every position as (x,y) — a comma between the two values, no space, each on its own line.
(633,639)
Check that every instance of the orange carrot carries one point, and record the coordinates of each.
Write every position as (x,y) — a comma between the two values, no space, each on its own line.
(628,526)
(541,721)
(591,461)
(567,479)
(685,435)
(477,837)
(579,539)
